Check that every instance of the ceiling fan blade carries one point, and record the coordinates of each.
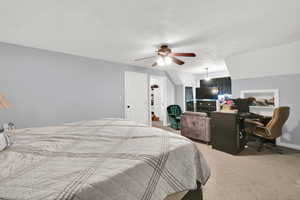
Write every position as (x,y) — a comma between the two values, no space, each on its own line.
(176,60)
(163,53)
(183,54)
(139,59)
(154,64)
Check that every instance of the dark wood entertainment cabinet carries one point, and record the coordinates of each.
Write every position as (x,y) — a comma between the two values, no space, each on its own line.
(206,105)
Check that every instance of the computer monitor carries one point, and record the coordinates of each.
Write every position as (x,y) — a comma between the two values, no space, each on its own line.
(243,104)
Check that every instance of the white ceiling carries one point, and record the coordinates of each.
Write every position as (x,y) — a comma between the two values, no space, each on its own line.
(122,30)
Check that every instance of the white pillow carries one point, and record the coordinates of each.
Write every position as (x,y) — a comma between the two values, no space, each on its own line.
(4,141)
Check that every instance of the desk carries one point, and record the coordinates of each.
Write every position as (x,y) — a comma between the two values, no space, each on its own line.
(225,132)
(229,111)
(228,130)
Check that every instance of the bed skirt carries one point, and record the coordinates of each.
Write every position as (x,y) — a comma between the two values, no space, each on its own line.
(190,195)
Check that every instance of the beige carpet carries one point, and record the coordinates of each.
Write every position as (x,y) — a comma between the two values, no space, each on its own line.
(251,175)
(263,176)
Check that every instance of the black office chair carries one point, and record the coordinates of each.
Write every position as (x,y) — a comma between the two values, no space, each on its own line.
(243,105)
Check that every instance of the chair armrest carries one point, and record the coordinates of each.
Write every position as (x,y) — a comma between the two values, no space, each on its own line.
(263,131)
(256,123)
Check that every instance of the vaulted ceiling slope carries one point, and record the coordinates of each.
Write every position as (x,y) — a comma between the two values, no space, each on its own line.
(120,30)
(274,61)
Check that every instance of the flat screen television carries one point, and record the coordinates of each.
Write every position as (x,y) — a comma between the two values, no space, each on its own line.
(207,93)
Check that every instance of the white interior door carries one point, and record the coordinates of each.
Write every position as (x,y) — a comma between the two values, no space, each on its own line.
(136,97)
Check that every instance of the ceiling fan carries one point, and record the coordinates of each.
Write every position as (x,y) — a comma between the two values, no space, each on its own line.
(166,56)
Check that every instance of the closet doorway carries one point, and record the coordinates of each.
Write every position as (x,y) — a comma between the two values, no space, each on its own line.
(158,98)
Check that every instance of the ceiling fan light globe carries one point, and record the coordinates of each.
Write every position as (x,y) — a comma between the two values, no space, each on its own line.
(168,60)
(160,61)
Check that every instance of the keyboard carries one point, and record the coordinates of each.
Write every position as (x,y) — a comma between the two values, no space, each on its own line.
(250,115)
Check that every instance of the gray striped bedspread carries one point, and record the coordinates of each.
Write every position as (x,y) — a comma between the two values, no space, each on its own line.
(109,159)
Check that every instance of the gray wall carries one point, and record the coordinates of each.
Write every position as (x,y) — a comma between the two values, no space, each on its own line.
(179,96)
(289,95)
(47,88)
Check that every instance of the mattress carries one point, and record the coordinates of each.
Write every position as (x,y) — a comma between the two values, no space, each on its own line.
(109,159)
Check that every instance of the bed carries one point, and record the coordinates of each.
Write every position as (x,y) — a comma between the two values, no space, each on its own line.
(109,159)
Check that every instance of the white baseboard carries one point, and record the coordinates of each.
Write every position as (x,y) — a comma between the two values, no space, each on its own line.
(291,146)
